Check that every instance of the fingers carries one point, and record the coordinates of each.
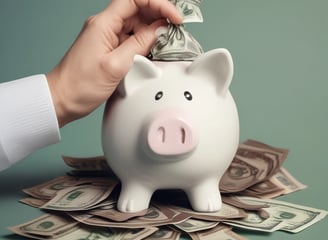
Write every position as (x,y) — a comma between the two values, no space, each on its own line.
(160,9)
(141,41)
(125,9)
(119,61)
(133,16)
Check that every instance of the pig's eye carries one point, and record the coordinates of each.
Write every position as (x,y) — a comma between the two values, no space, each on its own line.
(188,95)
(158,95)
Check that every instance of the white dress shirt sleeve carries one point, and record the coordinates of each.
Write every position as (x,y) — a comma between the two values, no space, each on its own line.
(28,119)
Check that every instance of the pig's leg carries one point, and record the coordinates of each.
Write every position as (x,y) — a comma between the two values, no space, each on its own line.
(205,197)
(134,197)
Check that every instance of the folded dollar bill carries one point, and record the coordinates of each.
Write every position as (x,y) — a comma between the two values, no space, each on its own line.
(189,10)
(176,45)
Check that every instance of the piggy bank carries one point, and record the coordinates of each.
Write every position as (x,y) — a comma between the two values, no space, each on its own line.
(172,125)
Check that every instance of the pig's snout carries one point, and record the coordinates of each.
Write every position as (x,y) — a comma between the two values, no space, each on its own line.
(171,134)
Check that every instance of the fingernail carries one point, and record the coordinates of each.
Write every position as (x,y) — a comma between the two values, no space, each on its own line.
(161,31)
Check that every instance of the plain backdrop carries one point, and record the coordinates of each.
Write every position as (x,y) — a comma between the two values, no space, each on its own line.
(280,87)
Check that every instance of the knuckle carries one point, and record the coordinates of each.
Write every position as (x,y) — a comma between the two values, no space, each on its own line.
(114,68)
(143,39)
(97,21)
(89,21)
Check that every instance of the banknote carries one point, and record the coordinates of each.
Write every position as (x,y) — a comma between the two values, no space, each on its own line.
(78,197)
(60,228)
(286,181)
(281,183)
(233,200)
(221,232)
(33,202)
(115,215)
(226,212)
(155,216)
(283,216)
(266,189)
(189,10)
(255,222)
(49,189)
(195,225)
(93,233)
(46,226)
(87,163)
(176,45)
(164,233)
(254,162)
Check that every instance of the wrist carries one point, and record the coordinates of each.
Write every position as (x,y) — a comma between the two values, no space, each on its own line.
(57,98)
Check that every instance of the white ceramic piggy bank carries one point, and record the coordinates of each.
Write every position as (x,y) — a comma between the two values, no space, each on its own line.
(172,125)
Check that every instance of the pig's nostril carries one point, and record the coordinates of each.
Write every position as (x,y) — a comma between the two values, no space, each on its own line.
(170,136)
(183,135)
(161,134)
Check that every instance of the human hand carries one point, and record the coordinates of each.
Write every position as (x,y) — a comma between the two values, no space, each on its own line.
(103,53)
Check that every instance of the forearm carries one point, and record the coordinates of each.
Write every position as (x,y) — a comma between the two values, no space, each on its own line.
(27,118)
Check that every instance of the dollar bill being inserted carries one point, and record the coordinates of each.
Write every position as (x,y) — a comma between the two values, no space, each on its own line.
(176,45)
(282,216)
(189,10)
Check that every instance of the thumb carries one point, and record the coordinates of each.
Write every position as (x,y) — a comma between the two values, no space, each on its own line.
(142,40)
(138,43)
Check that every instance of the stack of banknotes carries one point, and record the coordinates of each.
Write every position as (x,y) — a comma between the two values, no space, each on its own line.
(82,204)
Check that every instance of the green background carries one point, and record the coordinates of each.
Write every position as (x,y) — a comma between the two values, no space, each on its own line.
(280,86)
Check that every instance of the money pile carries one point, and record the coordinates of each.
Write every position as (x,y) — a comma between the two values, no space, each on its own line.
(82,204)
(257,171)
(177,44)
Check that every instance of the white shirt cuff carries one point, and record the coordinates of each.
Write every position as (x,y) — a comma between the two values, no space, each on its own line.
(27,118)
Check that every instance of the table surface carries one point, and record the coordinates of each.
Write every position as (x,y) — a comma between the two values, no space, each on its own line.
(280,87)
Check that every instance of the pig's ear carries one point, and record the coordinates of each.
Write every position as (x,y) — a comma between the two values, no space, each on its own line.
(141,71)
(215,66)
